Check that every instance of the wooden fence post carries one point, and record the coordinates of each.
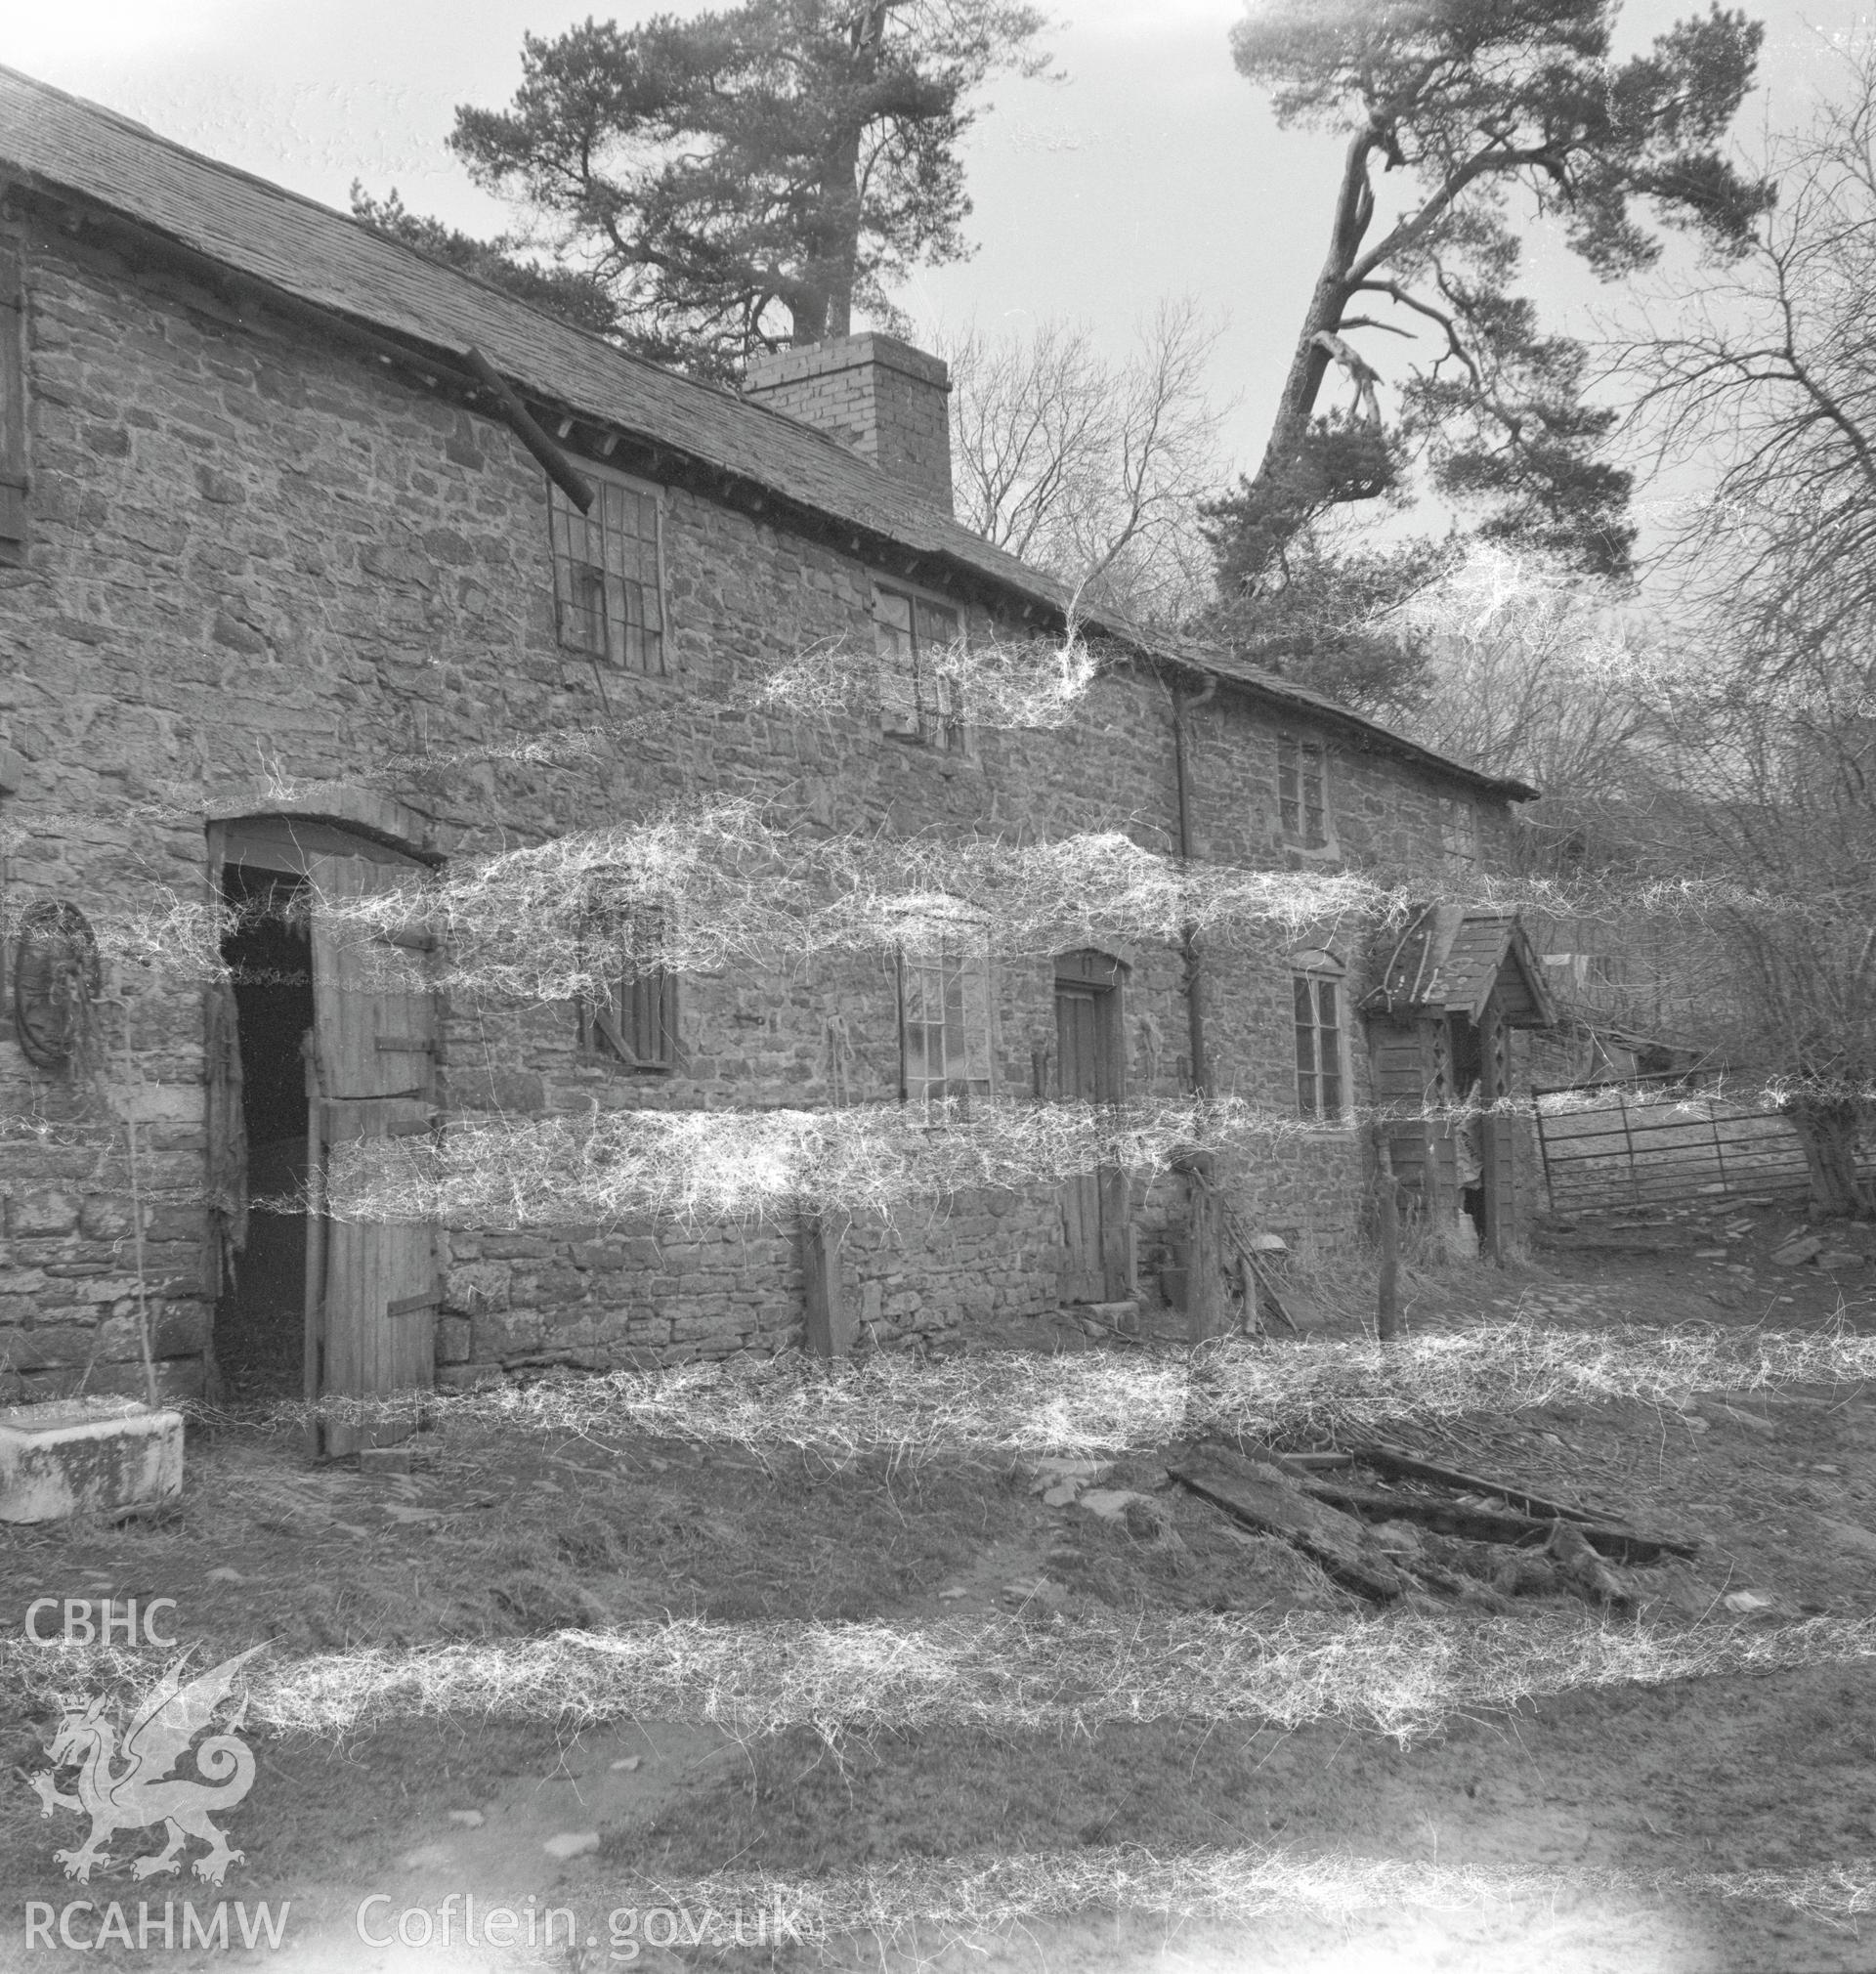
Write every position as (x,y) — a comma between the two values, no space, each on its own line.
(1208,1312)
(830,1314)
(1388,1211)
(1119,1271)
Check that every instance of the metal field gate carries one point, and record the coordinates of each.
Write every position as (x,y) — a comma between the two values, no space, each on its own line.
(1657,1138)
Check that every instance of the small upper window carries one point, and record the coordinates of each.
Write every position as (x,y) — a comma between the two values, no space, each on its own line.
(13,406)
(1302,804)
(944,1022)
(607,596)
(1315,988)
(913,639)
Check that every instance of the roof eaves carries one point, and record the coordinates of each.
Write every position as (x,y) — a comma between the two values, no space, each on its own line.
(934,537)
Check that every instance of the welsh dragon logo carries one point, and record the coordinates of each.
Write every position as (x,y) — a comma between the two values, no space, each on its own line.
(147,1791)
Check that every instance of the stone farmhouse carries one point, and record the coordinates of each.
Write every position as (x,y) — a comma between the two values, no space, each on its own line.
(300,532)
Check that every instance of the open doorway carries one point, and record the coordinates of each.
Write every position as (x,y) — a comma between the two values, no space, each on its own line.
(1466,1055)
(260,1317)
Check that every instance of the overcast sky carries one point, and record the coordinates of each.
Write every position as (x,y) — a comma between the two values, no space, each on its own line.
(1152,170)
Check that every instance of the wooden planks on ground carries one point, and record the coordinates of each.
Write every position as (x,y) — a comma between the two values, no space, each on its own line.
(1525,1520)
(1605,1531)
(1267,1500)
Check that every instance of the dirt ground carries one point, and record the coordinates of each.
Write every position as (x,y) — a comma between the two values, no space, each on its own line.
(510,1536)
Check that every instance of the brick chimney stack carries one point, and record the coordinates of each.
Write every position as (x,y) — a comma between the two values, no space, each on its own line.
(875,394)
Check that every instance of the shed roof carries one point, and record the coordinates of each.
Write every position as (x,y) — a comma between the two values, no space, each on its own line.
(62,144)
(1450,961)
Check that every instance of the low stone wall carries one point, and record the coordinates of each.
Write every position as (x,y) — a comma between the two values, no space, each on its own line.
(619,1297)
(70,1305)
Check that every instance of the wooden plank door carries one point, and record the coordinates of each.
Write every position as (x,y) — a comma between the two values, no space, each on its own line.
(1497,1151)
(1078,1054)
(1094,1215)
(1406,1068)
(375,1296)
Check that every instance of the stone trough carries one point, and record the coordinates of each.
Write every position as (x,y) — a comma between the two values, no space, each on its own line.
(87,1456)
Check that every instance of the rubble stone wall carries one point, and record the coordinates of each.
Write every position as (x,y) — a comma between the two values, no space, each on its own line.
(261,559)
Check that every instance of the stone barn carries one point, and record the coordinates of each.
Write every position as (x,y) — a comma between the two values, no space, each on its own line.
(313,554)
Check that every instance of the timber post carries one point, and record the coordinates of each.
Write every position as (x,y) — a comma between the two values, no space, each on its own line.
(1388,1213)
(1192,963)
(1208,1312)
(830,1324)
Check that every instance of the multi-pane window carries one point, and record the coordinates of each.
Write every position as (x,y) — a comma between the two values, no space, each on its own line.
(1459,837)
(1301,799)
(636,1023)
(1317,1002)
(13,406)
(913,639)
(605,586)
(944,1022)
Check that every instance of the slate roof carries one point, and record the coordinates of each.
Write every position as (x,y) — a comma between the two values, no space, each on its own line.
(1449,960)
(298,248)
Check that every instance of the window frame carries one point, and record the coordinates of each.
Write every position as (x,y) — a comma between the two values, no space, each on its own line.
(641,1009)
(970,961)
(944,728)
(562,518)
(1293,752)
(1459,834)
(1317,974)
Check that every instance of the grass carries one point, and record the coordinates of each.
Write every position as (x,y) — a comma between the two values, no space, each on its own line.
(1402,1675)
(1008,1403)
(515,1536)
(883,1750)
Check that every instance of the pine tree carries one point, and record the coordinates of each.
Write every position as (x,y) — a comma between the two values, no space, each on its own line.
(1471,100)
(741,180)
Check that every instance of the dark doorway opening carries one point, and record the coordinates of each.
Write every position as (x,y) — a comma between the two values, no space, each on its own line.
(260,1319)
(1469,1138)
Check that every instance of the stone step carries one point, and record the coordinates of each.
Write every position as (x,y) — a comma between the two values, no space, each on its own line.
(96,1455)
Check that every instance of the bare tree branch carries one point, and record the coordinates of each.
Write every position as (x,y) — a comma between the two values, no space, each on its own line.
(1773,371)
(1089,468)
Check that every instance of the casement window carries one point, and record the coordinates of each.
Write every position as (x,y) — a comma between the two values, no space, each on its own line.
(13,406)
(607,598)
(913,638)
(1303,791)
(944,1022)
(636,1023)
(1322,1063)
(1459,837)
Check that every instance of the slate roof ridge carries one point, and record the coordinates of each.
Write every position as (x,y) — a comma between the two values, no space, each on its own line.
(798,431)
(853,490)
(275,190)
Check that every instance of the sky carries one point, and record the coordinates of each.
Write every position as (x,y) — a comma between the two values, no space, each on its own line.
(1153,170)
